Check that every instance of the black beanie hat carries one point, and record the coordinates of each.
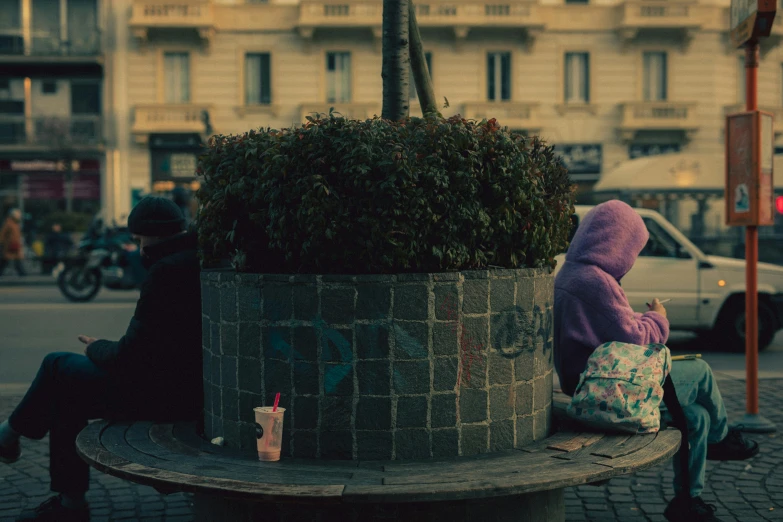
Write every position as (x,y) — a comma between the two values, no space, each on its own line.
(155,216)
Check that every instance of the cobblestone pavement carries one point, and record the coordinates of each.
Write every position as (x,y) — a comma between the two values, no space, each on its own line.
(747,491)
(25,484)
(743,491)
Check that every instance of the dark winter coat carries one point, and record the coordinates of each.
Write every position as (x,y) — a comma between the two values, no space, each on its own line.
(157,365)
(57,245)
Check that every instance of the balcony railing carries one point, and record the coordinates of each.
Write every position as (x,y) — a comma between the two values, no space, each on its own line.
(437,13)
(168,118)
(357,111)
(516,115)
(47,44)
(52,132)
(172,14)
(659,115)
(658,14)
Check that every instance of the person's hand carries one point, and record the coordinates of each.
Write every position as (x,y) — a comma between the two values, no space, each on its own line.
(87,340)
(656,306)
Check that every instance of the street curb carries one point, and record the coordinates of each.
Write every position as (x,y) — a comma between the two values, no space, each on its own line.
(27,281)
(13,389)
(739,375)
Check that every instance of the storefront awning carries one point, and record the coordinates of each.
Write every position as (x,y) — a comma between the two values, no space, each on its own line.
(679,172)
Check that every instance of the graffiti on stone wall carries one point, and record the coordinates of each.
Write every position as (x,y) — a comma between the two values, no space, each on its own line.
(514,332)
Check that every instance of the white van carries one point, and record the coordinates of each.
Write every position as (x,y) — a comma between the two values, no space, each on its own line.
(707,292)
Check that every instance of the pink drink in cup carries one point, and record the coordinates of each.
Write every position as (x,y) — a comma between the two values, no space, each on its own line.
(269,432)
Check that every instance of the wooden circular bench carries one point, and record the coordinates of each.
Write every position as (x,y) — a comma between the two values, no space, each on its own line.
(527,482)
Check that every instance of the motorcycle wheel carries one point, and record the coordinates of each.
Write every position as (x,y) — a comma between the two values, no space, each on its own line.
(78,284)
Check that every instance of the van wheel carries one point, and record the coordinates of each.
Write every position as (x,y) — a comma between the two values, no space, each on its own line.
(729,331)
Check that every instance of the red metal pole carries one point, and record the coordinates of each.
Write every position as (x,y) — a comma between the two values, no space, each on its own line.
(751,255)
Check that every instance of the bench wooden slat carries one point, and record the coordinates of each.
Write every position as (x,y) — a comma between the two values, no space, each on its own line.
(189,483)
(606,444)
(450,463)
(185,434)
(579,441)
(663,445)
(478,487)
(555,438)
(521,471)
(250,471)
(162,434)
(466,470)
(630,445)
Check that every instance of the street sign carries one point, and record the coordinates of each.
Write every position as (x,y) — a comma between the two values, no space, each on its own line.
(751,20)
(749,158)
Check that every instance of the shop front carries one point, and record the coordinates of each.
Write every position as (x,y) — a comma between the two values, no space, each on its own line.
(174,160)
(584,162)
(42,188)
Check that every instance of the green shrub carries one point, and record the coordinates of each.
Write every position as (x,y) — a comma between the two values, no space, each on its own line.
(70,221)
(376,196)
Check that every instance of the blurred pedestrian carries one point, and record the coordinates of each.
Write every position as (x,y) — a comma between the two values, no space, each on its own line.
(11,241)
(56,247)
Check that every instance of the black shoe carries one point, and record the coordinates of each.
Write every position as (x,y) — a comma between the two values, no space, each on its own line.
(684,509)
(10,454)
(52,510)
(733,447)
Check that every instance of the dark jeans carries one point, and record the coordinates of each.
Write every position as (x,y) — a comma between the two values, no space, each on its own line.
(68,391)
(17,265)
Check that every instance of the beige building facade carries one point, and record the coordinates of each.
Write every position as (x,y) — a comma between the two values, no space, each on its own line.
(603,81)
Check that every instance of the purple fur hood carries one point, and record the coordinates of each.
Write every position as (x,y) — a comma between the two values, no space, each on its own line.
(590,306)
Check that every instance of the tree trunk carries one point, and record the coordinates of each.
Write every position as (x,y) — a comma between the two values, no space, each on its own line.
(396,83)
(421,75)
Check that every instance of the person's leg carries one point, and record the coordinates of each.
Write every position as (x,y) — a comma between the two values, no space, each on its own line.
(19,267)
(698,393)
(68,390)
(3,265)
(698,432)
(695,384)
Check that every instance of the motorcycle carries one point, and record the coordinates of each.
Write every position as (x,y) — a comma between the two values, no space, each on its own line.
(106,256)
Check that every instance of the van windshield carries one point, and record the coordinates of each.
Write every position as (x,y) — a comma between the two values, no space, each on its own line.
(661,243)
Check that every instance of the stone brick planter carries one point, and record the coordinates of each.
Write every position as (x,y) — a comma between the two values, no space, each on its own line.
(381,367)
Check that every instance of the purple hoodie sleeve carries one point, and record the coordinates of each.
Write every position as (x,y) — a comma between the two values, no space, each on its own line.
(627,326)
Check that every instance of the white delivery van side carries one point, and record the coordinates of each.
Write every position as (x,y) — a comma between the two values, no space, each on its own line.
(707,292)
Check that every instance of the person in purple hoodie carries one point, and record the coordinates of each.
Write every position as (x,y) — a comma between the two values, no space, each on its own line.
(591,309)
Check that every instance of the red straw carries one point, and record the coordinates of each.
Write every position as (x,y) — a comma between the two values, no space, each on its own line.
(277,401)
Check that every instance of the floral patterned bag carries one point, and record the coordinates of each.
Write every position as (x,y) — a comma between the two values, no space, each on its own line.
(622,387)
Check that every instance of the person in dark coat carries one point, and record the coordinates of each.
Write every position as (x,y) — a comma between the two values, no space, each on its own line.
(56,246)
(152,373)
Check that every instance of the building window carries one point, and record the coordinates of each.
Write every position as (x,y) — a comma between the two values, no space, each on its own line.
(86,97)
(338,77)
(428,59)
(258,79)
(49,87)
(577,78)
(655,77)
(498,76)
(176,71)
